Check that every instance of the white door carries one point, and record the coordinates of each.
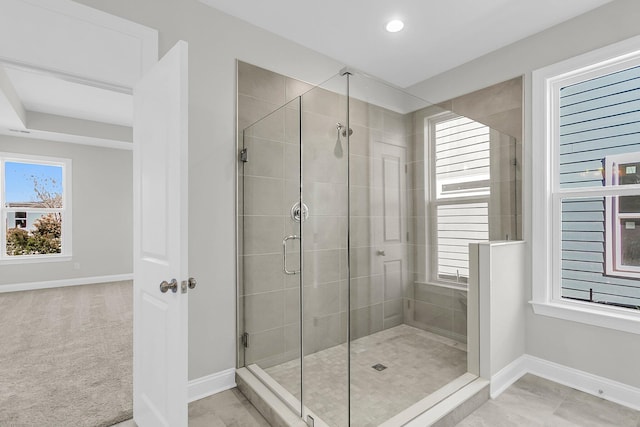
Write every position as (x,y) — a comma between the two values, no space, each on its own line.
(390,231)
(160,243)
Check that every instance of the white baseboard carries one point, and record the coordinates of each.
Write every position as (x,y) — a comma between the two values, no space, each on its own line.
(30,286)
(604,388)
(507,376)
(211,384)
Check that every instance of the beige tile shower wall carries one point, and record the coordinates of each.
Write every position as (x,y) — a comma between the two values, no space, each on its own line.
(324,180)
(269,301)
(439,309)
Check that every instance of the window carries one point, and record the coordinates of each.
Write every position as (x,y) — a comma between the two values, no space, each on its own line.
(586,169)
(622,221)
(460,192)
(35,201)
(20,220)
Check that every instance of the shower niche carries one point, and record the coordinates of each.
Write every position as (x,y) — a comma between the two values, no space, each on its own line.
(348,309)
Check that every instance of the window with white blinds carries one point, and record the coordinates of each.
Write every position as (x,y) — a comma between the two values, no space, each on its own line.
(461,191)
(462,158)
(599,148)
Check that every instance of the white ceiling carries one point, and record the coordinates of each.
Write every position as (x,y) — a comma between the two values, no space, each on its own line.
(438,35)
(44,93)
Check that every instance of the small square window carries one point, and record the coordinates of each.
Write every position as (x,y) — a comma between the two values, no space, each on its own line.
(34,199)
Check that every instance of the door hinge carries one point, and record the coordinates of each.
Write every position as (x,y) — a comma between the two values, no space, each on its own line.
(244,155)
(406,168)
(245,339)
(407,236)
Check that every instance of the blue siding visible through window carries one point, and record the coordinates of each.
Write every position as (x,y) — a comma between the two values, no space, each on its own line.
(583,251)
(598,118)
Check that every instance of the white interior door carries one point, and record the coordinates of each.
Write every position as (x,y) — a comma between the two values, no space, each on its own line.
(160,243)
(390,234)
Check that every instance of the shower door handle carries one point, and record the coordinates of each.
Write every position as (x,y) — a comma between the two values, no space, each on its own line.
(284,254)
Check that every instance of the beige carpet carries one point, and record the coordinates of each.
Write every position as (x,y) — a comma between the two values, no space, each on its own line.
(66,356)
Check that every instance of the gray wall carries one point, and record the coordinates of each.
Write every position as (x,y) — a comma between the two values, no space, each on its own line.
(102,212)
(600,351)
(215,42)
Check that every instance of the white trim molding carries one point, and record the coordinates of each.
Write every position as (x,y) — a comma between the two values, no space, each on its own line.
(508,375)
(211,384)
(119,53)
(584,312)
(604,388)
(32,286)
(69,138)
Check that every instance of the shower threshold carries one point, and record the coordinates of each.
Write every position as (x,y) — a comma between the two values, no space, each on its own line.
(424,369)
(289,399)
(452,402)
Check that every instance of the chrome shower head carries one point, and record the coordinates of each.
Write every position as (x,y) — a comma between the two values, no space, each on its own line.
(337,150)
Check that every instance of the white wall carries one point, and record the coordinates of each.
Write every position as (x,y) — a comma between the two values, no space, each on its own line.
(497,305)
(602,352)
(102,212)
(507,300)
(215,41)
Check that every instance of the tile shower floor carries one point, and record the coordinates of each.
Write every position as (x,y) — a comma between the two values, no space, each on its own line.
(417,364)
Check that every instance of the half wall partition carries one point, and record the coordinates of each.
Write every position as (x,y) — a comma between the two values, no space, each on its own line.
(356,204)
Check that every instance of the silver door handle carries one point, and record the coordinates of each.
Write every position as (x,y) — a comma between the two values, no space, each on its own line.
(284,254)
(173,285)
(381,253)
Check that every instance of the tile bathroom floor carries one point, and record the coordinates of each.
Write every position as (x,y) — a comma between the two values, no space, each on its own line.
(417,364)
(534,401)
(531,401)
(226,409)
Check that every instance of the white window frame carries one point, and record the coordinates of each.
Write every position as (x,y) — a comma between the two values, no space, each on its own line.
(435,198)
(65,211)
(547,195)
(613,261)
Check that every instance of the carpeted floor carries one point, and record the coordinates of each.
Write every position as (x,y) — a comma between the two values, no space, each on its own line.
(66,356)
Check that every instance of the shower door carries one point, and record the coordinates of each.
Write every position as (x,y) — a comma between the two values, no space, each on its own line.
(293,287)
(270,287)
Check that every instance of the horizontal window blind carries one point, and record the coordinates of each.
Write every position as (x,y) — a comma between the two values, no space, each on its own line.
(598,118)
(458,225)
(462,170)
(461,153)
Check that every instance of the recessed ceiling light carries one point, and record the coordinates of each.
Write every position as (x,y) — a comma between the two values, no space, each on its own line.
(395,25)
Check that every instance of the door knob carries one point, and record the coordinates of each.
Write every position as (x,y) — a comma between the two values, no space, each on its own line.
(381,253)
(192,283)
(173,285)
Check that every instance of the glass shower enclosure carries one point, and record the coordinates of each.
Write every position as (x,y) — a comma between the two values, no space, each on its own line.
(335,311)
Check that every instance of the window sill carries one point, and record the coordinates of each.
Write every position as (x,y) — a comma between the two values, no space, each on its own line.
(35,259)
(611,318)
